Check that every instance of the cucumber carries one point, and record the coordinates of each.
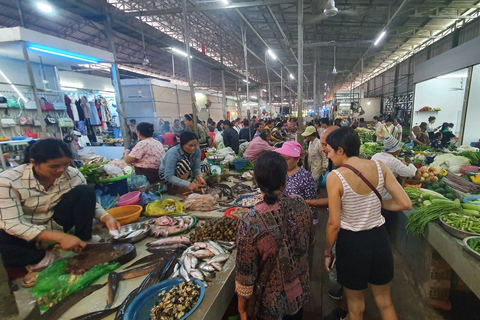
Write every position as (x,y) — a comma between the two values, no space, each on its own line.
(469,206)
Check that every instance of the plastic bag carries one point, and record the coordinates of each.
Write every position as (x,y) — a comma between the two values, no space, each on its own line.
(242,148)
(113,170)
(164,207)
(147,197)
(139,182)
(218,141)
(322,180)
(54,284)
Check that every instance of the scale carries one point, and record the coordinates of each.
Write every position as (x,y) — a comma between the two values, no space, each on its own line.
(216,165)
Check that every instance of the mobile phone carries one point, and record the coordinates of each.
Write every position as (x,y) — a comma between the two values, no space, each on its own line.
(332,262)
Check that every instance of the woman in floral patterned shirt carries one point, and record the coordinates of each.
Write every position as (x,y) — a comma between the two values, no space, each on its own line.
(147,154)
(273,238)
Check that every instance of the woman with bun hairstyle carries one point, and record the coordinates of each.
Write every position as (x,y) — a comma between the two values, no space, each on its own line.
(147,154)
(40,201)
(273,238)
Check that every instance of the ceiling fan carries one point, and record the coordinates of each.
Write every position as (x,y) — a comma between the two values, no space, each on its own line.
(329,10)
(145,62)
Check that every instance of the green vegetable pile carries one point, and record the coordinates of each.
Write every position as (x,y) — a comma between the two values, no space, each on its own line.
(366,135)
(474,157)
(414,194)
(368,149)
(462,222)
(91,171)
(474,244)
(419,147)
(440,187)
(418,220)
(247,167)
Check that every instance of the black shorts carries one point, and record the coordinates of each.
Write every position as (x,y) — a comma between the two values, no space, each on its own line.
(364,257)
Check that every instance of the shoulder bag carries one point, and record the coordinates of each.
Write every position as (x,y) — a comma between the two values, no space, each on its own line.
(49,120)
(360,175)
(7,122)
(25,120)
(64,121)
(30,105)
(30,134)
(13,103)
(46,106)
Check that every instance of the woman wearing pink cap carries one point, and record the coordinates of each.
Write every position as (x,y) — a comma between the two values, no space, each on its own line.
(299,181)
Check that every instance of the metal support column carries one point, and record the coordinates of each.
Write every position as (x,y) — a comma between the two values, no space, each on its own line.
(34,87)
(245,53)
(186,37)
(20,13)
(300,71)
(117,85)
(281,90)
(222,72)
(178,102)
(173,66)
(290,94)
(315,99)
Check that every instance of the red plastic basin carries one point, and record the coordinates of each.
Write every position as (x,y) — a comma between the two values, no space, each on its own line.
(128,199)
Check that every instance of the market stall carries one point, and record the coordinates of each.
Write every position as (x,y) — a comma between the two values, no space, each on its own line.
(164,239)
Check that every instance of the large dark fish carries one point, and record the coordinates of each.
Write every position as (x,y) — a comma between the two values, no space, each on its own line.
(60,308)
(149,258)
(97,315)
(154,277)
(115,278)
(167,249)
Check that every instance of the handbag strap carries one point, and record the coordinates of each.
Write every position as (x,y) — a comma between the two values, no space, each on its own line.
(360,175)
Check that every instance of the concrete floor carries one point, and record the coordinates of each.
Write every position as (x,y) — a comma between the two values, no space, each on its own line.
(406,298)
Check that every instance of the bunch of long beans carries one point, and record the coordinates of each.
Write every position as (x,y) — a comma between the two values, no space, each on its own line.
(418,220)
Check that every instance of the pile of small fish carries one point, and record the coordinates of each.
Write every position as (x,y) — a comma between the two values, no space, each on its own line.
(238,212)
(201,202)
(241,188)
(170,244)
(202,260)
(165,225)
(224,229)
(177,302)
(250,201)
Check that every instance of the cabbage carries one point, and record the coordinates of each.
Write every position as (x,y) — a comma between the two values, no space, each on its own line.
(457,161)
(454,169)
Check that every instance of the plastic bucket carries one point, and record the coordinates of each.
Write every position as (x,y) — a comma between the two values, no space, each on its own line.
(129,199)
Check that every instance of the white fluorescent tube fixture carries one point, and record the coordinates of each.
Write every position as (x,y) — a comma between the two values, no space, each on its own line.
(45,7)
(13,86)
(63,53)
(291,76)
(253,97)
(180,52)
(225,2)
(380,37)
(272,54)
(264,90)
(452,76)
(69,89)
(245,80)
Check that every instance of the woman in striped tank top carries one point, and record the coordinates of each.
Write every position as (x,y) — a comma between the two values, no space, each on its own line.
(355,221)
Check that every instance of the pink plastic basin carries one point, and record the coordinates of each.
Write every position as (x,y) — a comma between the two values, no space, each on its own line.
(465,168)
(128,199)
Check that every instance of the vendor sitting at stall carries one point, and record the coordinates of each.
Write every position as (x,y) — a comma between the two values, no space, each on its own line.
(40,201)
(388,157)
(419,137)
(204,140)
(180,168)
(147,154)
(258,145)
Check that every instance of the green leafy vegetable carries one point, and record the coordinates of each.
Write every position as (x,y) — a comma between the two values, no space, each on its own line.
(474,157)
(368,149)
(474,244)
(418,220)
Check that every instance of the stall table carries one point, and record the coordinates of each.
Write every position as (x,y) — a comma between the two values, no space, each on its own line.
(415,249)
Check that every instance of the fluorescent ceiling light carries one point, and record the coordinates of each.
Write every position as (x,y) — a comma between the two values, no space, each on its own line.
(68,89)
(264,90)
(226,2)
(452,76)
(292,76)
(380,37)
(45,7)
(253,97)
(245,80)
(13,86)
(63,53)
(272,54)
(180,52)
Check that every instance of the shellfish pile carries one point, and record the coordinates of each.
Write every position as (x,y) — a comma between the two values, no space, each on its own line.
(177,302)
(224,229)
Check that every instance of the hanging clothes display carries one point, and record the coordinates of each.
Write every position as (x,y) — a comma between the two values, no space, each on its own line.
(68,104)
(106,115)
(90,131)
(81,114)
(93,113)
(85,107)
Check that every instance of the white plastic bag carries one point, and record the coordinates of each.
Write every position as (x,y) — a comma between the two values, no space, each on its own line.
(113,170)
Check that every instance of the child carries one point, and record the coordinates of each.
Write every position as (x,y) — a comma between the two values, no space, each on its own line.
(436,143)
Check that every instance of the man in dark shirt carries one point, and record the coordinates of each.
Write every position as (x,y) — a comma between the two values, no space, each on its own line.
(230,136)
(245,131)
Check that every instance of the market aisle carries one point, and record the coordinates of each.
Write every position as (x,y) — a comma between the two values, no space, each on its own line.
(406,298)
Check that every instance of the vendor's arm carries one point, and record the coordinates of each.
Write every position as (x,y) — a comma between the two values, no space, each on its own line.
(334,207)
(137,153)
(67,241)
(399,201)
(12,218)
(403,170)
(412,136)
(247,267)
(323,202)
